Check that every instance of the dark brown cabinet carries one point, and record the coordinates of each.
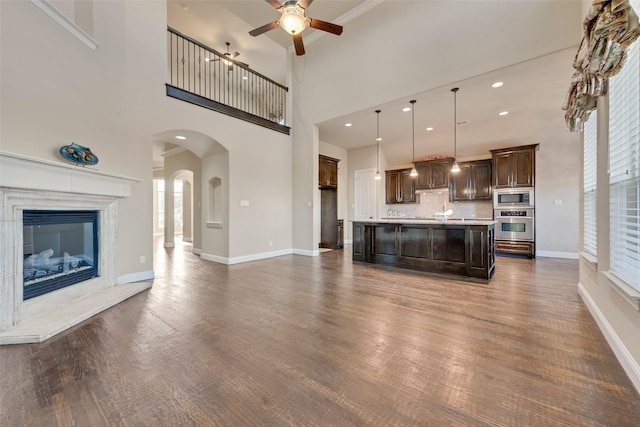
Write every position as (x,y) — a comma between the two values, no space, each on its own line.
(433,174)
(400,187)
(330,226)
(328,172)
(461,249)
(473,182)
(514,167)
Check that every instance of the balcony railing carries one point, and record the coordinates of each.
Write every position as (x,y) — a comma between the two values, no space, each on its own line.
(201,75)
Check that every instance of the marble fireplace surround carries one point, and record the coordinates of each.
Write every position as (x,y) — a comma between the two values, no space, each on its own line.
(30,183)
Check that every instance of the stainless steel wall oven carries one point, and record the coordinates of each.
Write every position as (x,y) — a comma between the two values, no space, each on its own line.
(516,224)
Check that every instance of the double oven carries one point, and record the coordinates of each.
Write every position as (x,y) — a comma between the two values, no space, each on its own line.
(514,211)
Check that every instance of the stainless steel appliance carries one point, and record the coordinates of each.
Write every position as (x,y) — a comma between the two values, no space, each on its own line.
(516,224)
(513,197)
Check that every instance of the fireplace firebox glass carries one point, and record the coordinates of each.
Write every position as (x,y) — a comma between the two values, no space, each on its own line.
(60,249)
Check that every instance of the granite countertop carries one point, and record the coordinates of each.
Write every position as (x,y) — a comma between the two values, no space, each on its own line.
(450,221)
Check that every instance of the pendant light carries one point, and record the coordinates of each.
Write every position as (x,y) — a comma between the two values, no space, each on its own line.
(455,168)
(414,172)
(378,139)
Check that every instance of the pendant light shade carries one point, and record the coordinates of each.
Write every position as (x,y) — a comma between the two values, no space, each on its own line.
(413,172)
(378,177)
(455,168)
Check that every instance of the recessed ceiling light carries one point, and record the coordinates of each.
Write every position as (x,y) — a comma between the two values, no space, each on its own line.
(497,84)
(378,139)
(405,109)
(348,125)
(429,129)
(180,137)
(504,113)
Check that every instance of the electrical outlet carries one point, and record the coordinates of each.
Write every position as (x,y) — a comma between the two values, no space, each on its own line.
(143,259)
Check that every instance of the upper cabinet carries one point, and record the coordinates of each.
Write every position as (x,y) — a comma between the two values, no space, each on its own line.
(473,182)
(514,167)
(328,172)
(400,186)
(433,174)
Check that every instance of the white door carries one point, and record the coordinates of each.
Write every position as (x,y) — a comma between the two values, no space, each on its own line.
(365,194)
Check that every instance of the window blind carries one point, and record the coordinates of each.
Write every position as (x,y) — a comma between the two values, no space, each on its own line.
(590,138)
(624,169)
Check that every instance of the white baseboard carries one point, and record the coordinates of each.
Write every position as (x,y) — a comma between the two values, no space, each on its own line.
(169,245)
(196,251)
(306,252)
(135,277)
(246,258)
(552,254)
(629,364)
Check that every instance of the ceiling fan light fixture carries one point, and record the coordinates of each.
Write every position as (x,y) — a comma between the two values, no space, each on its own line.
(293,20)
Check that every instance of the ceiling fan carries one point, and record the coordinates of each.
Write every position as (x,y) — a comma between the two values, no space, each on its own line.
(294,21)
(230,55)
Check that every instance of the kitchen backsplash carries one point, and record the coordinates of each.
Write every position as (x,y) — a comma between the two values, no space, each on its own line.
(433,202)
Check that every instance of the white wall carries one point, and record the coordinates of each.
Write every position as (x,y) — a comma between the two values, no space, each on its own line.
(558,169)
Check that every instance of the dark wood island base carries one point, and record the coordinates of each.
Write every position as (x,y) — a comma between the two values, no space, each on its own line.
(464,248)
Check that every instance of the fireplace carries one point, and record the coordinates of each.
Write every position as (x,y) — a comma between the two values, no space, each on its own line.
(60,249)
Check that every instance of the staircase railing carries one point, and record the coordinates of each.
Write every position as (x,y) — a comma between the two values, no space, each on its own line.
(203,76)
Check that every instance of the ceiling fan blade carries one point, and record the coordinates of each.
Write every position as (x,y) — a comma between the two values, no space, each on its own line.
(274,3)
(234,54)
(297,42)
(326,26)
(304,3)
(264,28)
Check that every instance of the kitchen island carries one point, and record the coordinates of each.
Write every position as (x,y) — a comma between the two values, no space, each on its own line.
(460,247)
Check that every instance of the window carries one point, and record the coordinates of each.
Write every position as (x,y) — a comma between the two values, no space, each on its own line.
(624,170)
(590,187)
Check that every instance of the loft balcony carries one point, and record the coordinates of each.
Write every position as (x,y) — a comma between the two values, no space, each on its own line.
(203,76)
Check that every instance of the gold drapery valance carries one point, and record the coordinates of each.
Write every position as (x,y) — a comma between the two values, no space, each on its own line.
(609,28)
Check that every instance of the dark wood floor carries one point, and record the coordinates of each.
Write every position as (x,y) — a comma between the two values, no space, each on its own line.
(319,341)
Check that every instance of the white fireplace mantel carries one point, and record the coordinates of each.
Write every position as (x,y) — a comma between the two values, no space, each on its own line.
(31,183)
(18,171)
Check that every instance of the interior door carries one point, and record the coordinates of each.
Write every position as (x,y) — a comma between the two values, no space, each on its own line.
(364,194)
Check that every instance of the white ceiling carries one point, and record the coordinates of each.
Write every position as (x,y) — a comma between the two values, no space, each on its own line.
(532,94)
(533,90)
